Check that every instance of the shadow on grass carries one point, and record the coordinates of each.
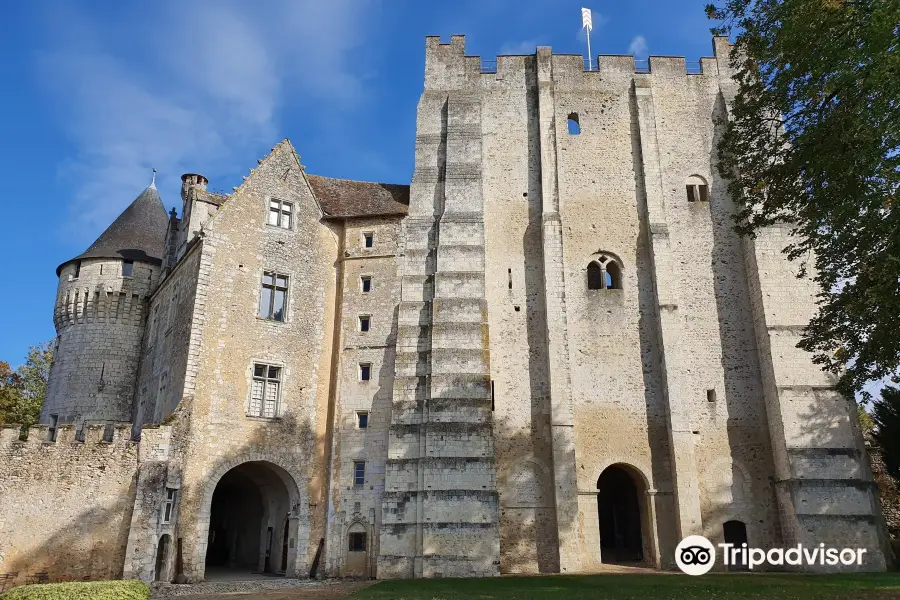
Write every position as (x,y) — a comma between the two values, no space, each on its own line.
(643,587)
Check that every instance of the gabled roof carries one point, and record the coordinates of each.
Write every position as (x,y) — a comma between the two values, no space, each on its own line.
(138,234)
(342,198)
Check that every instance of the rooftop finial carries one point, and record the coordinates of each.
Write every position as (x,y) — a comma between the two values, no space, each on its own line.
(153,181)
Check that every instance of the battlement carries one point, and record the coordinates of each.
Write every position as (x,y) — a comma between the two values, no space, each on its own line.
(448,67)
(154,443)
(96,291)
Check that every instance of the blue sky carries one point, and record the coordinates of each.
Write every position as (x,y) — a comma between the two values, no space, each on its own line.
(98,93)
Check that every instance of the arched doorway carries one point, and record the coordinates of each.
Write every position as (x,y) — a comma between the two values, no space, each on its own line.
(162,558)
(735,533)
(250,519)
(619,512)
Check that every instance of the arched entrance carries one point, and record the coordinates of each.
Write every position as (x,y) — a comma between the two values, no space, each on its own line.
(619,509)
(162,558)
(735,533)
(251,525)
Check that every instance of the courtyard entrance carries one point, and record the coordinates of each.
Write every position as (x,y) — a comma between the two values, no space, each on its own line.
(251,530)
(619,513)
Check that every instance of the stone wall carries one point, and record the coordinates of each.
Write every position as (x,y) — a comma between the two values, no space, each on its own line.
(230,337)
(65,506)
(357,507)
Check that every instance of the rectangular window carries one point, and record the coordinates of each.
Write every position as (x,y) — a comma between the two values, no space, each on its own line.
(264,391)
(77,269)
(273,296)
(51,431)
(368,239)
(365,284)
(365,322)
(365,371)
(357,541)
(359,472)
(704,193)
(362,419)
(128,268)
(169,505)
(697,193)
(280,213)
(173,306)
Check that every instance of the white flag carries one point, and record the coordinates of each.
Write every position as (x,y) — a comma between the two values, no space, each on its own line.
(586,19)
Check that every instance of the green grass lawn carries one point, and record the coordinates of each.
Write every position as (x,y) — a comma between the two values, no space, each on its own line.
(877,586)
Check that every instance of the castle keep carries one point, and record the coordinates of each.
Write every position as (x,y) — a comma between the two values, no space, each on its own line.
(549,352)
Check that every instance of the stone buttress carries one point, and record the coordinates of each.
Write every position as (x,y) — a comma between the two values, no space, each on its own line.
(440,511)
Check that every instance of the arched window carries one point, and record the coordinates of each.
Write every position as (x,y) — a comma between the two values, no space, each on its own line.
(574,125)
(604,273)
(697,189)
(595,276)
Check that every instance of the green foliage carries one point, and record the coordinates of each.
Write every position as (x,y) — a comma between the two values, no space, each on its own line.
(81,590)
(22,391)
(886,414)
(865,420)
(814,142)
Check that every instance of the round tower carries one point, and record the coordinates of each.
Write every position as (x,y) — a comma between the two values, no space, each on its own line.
(99,316)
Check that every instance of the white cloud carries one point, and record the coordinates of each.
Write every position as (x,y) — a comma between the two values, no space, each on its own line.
(638,47)
(195,88)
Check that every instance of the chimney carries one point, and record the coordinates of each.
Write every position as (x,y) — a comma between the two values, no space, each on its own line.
(189,180)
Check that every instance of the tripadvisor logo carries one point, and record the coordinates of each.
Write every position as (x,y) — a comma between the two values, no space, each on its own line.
(696,555)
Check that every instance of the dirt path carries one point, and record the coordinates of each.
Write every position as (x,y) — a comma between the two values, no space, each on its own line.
(327,591)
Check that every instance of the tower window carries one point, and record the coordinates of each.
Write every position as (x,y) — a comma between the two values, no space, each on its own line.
(365,371)
(265,391)
(368,239)
(273,296)
(51,431)
(710,395)
(169,505)
(574,124)
(696,188)
(77,269)
(280,213)
(359,472)
(365,322)
(128,268)
(365,284)
(604,273)
(362,419)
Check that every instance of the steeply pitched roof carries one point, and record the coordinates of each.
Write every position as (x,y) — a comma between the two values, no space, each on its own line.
(342,198)
(138,234)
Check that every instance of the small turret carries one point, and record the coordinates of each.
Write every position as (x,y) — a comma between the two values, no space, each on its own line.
(100,315)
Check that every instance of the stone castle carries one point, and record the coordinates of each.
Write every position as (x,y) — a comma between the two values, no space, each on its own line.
(548,353)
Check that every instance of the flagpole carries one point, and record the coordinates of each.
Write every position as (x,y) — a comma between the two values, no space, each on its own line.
(590,62)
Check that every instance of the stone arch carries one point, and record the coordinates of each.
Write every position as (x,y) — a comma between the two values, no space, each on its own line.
(298,502)
(163,553)
(624,515)
(356,562)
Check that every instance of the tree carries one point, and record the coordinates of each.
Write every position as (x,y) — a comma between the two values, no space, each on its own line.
(22,391)
(886,415)
(813,140)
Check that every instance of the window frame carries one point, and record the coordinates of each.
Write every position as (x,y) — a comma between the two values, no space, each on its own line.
(169,500)
(365,236)
(363,318)
(266,380)
(130,275)
(275,288)
(356,535)
(360,415)
(361,366)
(573,118)
(281,212)
(359,479)
(363,279)
(608,280)
(53,428)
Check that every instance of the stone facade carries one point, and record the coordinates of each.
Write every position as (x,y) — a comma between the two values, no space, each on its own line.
(549,352)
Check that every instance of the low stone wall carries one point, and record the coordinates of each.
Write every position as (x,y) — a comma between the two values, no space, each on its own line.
(65,505)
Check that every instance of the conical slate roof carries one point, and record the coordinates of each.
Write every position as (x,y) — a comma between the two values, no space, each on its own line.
(138,234)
